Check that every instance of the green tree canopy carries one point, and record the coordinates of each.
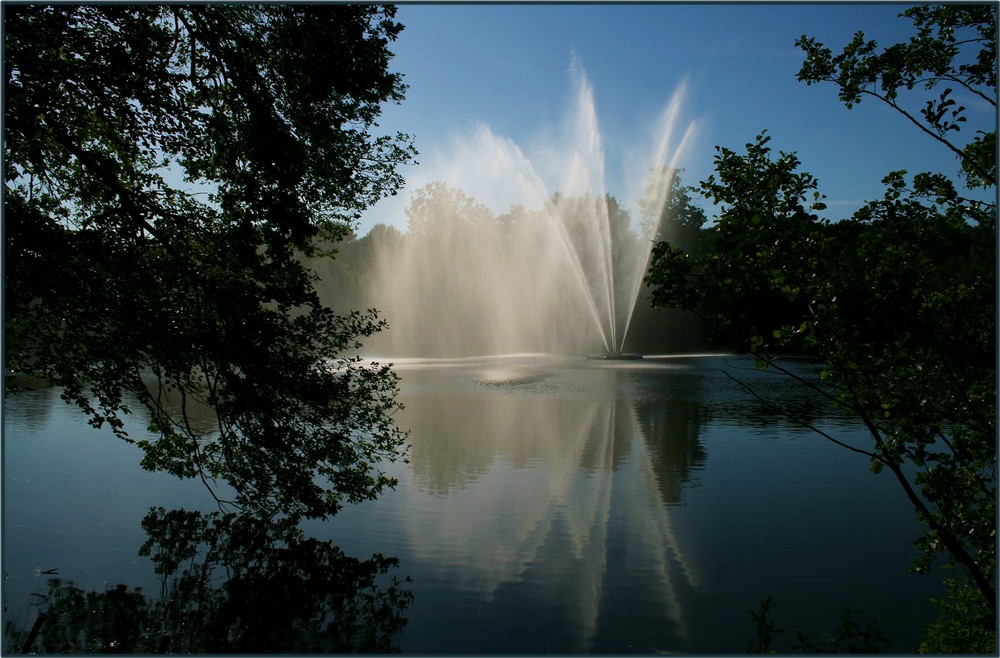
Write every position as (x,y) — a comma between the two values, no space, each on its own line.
(954,50)
(166,170)
(899,301)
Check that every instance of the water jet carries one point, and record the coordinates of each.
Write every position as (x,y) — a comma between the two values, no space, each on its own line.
(510,250)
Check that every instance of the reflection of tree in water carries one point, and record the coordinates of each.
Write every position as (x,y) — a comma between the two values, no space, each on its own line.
(230,584)
(33,407)
(459,437)
(672,427)
(551,476)
(758,398)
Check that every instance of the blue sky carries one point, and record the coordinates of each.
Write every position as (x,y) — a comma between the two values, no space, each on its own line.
(509,67)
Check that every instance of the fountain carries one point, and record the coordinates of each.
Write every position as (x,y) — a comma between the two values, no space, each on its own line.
(557,270)
(615,356)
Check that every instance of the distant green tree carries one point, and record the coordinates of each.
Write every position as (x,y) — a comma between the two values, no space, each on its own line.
(167,171)
(899,301)
(677,220)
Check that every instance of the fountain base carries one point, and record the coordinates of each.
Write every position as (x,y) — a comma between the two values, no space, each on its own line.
(615,356)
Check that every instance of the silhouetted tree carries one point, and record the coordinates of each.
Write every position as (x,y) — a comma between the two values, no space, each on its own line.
(899,301)
(167,169)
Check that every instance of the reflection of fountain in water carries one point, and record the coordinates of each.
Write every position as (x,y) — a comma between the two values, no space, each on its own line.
(580,482)
(560,272)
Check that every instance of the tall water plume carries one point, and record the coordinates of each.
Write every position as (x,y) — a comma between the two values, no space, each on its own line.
(559,270)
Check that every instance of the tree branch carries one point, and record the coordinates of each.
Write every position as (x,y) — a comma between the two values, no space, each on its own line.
(129,205)
(957,151)
(954,547)
(774,408)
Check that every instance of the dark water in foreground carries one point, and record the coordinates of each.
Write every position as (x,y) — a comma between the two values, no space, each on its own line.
(550,505)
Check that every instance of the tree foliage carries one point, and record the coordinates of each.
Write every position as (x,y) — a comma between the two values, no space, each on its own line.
(679,221)
(954,50)
(166,170)
(898,300)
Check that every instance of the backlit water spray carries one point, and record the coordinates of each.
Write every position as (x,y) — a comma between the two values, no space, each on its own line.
(506,253)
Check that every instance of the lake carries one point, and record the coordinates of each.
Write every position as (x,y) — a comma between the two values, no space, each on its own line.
(549,505)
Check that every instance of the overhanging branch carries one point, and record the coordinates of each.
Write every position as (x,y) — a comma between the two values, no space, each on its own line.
(777,410)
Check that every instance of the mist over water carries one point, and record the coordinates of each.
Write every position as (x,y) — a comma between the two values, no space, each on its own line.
(558,271)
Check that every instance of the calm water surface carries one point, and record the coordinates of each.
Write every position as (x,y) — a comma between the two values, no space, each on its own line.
(550,505)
